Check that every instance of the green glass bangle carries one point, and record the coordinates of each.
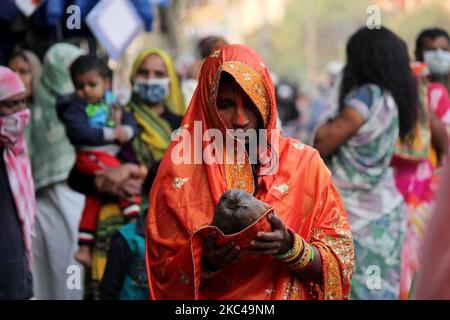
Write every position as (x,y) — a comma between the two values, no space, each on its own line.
(283,256)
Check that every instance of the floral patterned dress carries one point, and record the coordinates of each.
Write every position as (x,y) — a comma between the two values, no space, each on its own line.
(418,177)
(376,209)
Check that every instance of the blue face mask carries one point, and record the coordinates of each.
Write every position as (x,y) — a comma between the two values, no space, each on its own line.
(153,90)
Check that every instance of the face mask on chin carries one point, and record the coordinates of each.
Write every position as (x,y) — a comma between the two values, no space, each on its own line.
(13,126)
(153,91)
(438,62)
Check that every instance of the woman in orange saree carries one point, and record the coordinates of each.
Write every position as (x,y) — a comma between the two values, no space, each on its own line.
(292,179)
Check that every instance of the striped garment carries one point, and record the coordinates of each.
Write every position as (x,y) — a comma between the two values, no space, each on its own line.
(22,187)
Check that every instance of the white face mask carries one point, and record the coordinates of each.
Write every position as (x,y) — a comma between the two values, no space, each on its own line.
(12,126)
(152,90)
(438,61)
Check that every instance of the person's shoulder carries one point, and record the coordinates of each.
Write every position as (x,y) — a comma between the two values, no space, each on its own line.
(301,152)
(173,119)
(308,164)
(364,98)
(366,93)
(295,144)
(69,97)
(68,102)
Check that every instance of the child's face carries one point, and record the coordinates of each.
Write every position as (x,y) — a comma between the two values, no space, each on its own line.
(12,105)
(90,86)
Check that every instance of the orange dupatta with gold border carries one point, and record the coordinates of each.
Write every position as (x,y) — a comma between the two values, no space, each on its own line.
(183,198)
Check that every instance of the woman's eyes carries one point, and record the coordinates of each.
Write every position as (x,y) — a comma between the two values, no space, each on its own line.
(24,72)
(160,74)
(224,104)
(151,73)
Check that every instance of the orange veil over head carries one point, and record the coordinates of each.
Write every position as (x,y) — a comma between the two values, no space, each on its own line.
(299,188)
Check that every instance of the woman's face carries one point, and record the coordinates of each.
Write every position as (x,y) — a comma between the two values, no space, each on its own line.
(235,108)
(13,104)
(152,67)
(23,68)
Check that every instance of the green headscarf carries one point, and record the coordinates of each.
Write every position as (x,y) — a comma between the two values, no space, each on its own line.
(52,155)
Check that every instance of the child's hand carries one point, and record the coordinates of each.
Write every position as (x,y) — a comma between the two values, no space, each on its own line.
(143,171)
(121,135)
(117,114)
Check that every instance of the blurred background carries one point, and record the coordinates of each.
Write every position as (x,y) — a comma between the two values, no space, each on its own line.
(303,42)
(297,38)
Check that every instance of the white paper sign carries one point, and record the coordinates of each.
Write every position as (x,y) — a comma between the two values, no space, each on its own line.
(115,23)
(28,6)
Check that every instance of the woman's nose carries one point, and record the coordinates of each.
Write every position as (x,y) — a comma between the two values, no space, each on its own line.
(240,118)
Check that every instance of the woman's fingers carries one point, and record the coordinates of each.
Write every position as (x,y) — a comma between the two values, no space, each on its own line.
(238,256)
(119,182)
(99,182)
(268,252)
(225,254)
(132,170)
(224,250)
(258,245)
(275,222)
(231,255)
(124,192)
(132,186)
(269,236)
(209,243)
(264,248)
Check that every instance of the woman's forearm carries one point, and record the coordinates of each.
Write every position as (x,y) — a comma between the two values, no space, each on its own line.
(323,141)
(303,259)
(336,132)
(313,272)
(119,182)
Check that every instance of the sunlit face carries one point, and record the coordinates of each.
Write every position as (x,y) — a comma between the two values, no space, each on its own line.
(152,67)
(23,68)
(91,86)
(436,43)
(429,44)
(234,106)
(13,104)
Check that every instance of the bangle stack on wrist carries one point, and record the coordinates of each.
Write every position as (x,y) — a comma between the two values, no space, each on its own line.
(299,256)
(292,253)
